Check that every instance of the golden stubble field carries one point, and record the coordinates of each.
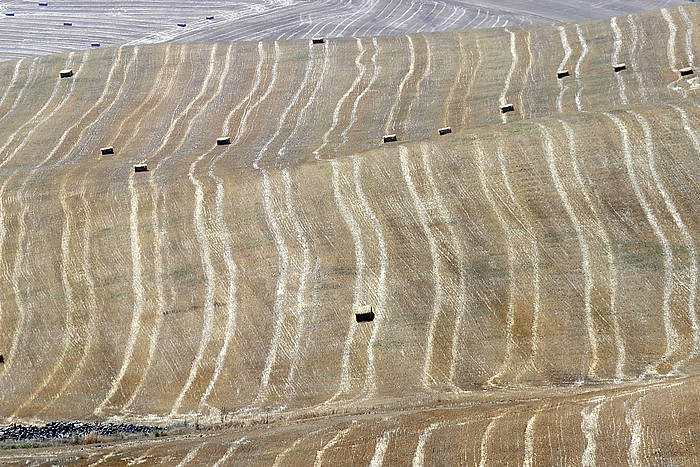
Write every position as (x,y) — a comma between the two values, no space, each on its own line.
(533,274)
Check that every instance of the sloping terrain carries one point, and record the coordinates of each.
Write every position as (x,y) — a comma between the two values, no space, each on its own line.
(533,274)
(64,26)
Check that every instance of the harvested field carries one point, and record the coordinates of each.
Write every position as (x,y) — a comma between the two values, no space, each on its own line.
(36,30)
(533,274)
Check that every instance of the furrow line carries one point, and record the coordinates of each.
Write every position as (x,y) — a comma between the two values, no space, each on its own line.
(437,280)
(39,114)
(285,112)
(380,449)
(529,441)
(511,70)
(70,337)
(335,440)
(370,386)
(577,70)
(223,233)
(548,147)
(615,59)
(484,452)
(200,230)
(671,52)
(456,80)
(457,246)
(685,233)
(191,455)
(534,258)
(427,70)
(96,119)
(468,93)
(20,94)
(419,454)
(154,333)
(671,43)
(407,76)
(12,82)
(242,126)
(634,424)
(562,65)
(138,311)
(66,254)
(312,96)
(510,317)
(229,452)
(19,253)
(302,289)
(280,290)
(138,290)
(526,75)
(375,73)
(634,57)
(283,454)
(589,427)
(65,250)
(92,324)
(336,112)
(671,333)
(688,36)
(356,232)
(603,234)
(231,304)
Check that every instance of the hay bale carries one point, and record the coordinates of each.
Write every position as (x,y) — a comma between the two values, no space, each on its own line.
(223,140)
(619,67)
(43,4)
(9,14)
(364,314)
(182,25)
(507,108)
(686,71)
(67,24)
(389,138)
(141,168)
(107,150)
(562,74)
(444,131)
(317,40)
(210,18)
(94,44)
(67,73)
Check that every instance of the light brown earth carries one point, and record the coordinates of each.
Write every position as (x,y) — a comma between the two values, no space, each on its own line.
(533,274)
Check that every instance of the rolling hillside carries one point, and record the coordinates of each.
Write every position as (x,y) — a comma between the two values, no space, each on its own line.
(533,274)
(65,26)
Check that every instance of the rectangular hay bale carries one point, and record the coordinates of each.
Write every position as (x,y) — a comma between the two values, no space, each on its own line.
(507,108)
(364,314)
